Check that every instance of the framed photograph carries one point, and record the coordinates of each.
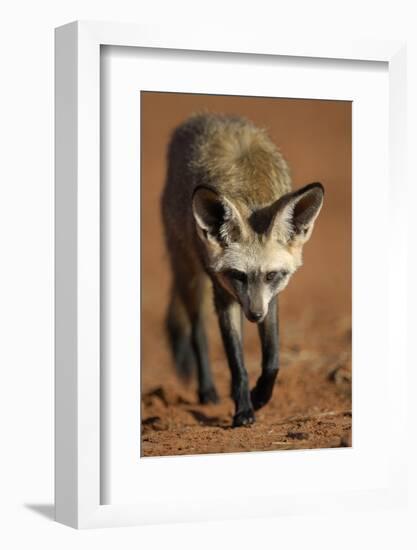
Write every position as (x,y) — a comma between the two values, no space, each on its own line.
(225,327)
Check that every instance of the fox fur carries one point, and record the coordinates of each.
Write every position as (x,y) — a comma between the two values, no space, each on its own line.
(234,230)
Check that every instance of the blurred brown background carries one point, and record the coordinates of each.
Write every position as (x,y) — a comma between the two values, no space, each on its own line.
(315,309)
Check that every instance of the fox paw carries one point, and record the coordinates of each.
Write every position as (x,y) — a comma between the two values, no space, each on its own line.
(208,396)
(244,418)
(259,398)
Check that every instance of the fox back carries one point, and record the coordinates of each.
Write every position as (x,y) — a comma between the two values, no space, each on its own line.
(228,154)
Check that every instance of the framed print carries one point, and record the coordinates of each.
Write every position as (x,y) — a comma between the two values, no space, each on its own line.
(194,169)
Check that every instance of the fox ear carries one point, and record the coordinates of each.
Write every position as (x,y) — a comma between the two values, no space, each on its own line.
(295,213)
(216,217)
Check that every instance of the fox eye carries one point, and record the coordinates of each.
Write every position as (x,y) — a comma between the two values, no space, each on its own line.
(275,275)
(271,276)
(237,275)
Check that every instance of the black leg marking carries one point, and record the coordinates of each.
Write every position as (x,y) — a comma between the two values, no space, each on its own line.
(191,289)
(229,314)
(206,391)
(269,334)
(179,336)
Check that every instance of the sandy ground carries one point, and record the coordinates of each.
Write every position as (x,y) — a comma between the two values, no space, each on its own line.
(311,405)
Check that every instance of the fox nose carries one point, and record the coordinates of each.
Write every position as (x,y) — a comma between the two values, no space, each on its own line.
(255,316)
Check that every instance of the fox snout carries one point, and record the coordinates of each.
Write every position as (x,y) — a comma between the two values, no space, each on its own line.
(254,310)
(255,316)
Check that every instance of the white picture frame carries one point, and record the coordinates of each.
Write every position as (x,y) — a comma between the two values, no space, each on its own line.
(78,405)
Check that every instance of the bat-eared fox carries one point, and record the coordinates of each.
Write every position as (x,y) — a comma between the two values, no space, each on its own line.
(236,230)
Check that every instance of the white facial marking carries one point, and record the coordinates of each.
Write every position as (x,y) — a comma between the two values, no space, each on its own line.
(255,256)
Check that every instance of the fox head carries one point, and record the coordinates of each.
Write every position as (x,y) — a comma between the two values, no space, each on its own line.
(253,254)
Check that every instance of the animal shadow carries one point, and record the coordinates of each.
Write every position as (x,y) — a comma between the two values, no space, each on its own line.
(206,420)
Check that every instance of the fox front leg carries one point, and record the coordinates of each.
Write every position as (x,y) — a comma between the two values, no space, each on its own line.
(230,320)
(268,332)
